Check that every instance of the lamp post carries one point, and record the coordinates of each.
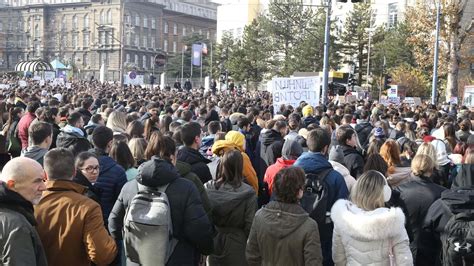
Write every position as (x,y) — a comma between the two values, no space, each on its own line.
(327,30)
(436,52)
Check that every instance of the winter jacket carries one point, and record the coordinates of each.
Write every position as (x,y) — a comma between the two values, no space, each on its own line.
(184,170)
(251,144)
(92,192)
(191,226)
(401,175)
(197,161)
(233,210)
(36,153)
(111,179)
(86,115)
(283,234)
(452,202)
(23,126)
(353,160)
(71,227)
(366,237)
(308,120)
(20,243)
(350,180)
(73,142)
(273,169)
(418,196)
(271,145)
(465,177)
(363,130)
(56,131)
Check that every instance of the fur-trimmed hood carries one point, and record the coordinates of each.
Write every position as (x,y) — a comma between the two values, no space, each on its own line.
(379,224)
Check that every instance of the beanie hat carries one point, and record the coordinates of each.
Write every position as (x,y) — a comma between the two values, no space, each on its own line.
(291,150)
(307,110)
(237,138)
(379,133)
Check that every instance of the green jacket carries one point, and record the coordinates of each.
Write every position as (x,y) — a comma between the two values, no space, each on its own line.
(184,170)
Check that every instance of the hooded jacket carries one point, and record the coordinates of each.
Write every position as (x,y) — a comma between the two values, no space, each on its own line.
(184,170)
(350,180)
(363,130)
(454,201)
(233,210)
(271,145)
(72,141)
(353,160)
(71,226)
(36,153)
(283,234)
(399,176)
(273,169)
(366,237)
(19,241)
(191,226)
(197,161)
(465,176)
(111,179)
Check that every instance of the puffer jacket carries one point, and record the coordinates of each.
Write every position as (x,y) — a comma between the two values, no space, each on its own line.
(353,160)
(271,145)
(273,169)
(184,170)
(233,210)
(197,161)
(366,237)
(350,180)
(191,226)
(283,234)
(20,243)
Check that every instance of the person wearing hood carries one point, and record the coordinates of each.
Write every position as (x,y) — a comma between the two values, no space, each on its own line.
(41,137)
(308,117)
(452,202)
(282,232)
(191,225)
(22,186)
(290,152)
(72,137)
(364,128)
(236,140)
(315,161)
(272,142)
(418,195)
(95,121)
(234,204)
(112,176)
(365,231)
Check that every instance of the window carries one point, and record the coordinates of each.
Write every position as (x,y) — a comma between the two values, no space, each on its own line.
(101,37)
(145,22)
(165,46)
(392,14)
(136,60)
(63,23)
(109,16)
(153,23)
(86,21)
(128,38)
(137,20)
(85,59)
(152,42)
(184,30)
(74,41)
(152,60)
(165,30)
(64,42)
(174,47)
(127,19)
(145,41)
(144,61)
(175,29)
(86,39)
(102,17)
(74,22)
(37,31)
(109,39)
(137,40)
(127,58)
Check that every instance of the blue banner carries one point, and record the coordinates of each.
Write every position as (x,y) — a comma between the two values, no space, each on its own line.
(196,59)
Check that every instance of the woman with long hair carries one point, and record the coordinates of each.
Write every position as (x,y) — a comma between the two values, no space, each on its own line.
(234,204)
(450,138)
(365,231)
(117,121)
(137,147)
(10,132)
(120,152)
(396,174)
(135,129)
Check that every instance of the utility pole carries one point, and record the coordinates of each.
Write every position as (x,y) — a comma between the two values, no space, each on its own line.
(435,64)
(327,29)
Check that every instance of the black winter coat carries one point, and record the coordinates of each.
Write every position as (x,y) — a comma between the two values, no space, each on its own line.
(418,196)
(353,160)
(271,145)
(191,225)
(73,142)
(363,132)
(464,177)
(197,161)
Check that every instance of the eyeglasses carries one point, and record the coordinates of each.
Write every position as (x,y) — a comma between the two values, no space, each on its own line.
(91,169)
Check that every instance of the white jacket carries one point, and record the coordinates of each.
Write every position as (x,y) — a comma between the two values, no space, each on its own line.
(350,180)
(366,237)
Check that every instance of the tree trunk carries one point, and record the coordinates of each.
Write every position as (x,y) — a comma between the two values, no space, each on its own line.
(453,64)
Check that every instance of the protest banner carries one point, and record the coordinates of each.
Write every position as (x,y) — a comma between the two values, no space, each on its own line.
(22,83)
(468,97)
(292,91)
(416,101)
(49,75)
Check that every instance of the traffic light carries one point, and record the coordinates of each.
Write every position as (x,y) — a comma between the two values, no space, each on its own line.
(387,81)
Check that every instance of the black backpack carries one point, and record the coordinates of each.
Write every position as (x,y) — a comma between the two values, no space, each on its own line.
(458,240)
(315,196)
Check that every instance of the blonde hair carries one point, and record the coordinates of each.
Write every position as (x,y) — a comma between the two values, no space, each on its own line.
(422,165)
(117,121)
(429,150)
(367,193)
(137,147)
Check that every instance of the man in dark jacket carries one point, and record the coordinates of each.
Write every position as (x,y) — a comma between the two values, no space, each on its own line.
(22,187)
(187,85)
(72,137)
(112,176)
(85,110)
(191,225)
(465,177)
(189,153)
(272,143)
(152,111)
(364,128)
(353,160)
(41,137)
(315,161)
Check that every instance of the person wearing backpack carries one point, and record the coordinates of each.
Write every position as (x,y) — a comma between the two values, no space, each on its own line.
(234,204)
(364,128)
(190,233)
(315,163)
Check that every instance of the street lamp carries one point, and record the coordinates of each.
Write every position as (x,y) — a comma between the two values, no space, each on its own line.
(435,64)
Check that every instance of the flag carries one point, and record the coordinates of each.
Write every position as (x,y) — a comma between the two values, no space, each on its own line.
(196,59)
(204,48)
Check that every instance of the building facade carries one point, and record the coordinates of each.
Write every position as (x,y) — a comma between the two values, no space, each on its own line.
(89,34)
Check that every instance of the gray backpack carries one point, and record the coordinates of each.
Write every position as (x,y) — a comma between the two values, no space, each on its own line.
(148,229)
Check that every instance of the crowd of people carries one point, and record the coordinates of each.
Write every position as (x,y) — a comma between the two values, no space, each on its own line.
(99,174)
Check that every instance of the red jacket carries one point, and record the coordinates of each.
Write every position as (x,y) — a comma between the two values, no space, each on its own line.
(273,169)
(23,126)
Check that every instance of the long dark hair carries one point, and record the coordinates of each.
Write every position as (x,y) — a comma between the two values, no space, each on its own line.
(12,116)
(161,146)
(121,153)
(230,169)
